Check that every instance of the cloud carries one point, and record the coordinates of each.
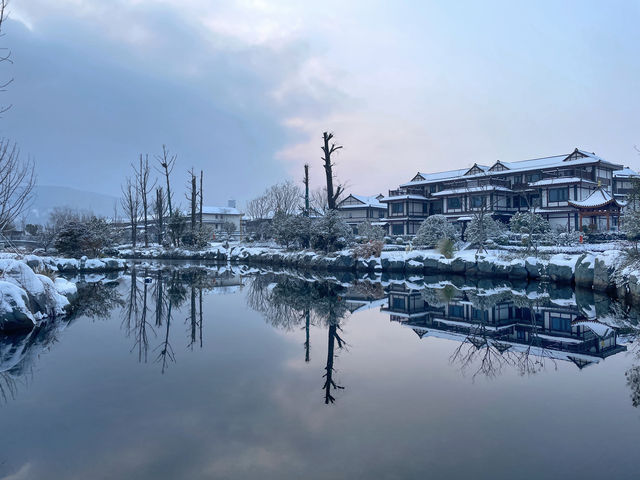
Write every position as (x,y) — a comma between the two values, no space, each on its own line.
(405,87)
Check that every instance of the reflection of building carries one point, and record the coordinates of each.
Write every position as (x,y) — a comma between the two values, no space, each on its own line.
(504,188)
(356,209)
(543,329)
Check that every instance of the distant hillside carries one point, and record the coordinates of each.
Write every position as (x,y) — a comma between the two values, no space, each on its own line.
(47,197)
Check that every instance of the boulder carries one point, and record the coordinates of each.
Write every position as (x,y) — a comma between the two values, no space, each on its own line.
(561,267)
(603,274)
(534,268)
(584,270)
(15,314)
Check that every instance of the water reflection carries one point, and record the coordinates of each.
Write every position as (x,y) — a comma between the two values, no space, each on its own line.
(494,325)
(289,302)
(20,352)
(498,326)
(156,296)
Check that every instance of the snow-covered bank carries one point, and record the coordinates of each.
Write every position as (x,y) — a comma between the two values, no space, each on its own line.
(601,271)
(29,292)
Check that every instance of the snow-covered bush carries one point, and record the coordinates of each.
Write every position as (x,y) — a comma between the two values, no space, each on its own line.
(288,230)
(434,229)
(369,249)
(199,238)
(446,246)
(482,229)
(562,238)
(522,222)
(77,238)
(370,232)
(631,226)
(331,232)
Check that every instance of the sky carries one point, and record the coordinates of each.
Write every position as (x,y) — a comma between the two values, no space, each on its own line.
(243,89)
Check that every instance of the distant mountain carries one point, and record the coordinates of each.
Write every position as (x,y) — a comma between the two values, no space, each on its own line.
(47,197)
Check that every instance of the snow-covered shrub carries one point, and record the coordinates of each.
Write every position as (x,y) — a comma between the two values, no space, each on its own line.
(77,238)
(199,238)
(631,226)
(177,226)
(482,229)
(369,249)
(288,230)
(562,238)
(446,246)
(399,241)
(330,232)
(522,222)
(388,240)
(370,232)
(434,229)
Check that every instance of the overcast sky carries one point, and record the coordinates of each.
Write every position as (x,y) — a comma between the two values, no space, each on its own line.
(244,89)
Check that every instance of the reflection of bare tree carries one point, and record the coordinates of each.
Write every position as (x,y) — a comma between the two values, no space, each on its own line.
(307,340)
(8,387)
(329,383)
(286,301)
(478,348)
(141,336)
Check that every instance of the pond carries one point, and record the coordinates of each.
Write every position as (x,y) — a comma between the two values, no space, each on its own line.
(177,371)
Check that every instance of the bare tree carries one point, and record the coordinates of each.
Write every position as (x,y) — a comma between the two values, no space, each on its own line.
(193,198)
(167,161)
(160,212)
(145,187)
(332,196)
(258,208)
(285,198)
(17,180)
(130,202)
(5,56)
(201,198)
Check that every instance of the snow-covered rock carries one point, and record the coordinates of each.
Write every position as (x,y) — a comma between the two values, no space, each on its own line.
(28,297)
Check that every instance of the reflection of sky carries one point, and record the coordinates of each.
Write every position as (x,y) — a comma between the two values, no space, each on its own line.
(247,406)
(244,88)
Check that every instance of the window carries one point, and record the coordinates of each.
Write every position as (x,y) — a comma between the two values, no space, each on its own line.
(561,324)
(558,194)
(454,203)
(398,303)
(397,229)
(397,208)
(456,311)
(433,188)
(477,201)
(533,177)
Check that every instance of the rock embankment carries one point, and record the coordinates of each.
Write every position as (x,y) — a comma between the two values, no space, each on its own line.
(601,271)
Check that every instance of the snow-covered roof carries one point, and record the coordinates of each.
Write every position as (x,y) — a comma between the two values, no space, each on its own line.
(558,181)
(372,201)
(404,197)
(626,172)
(439,176)
(221,211)
(483,188)
(598,198)
(600,329)
(577,157)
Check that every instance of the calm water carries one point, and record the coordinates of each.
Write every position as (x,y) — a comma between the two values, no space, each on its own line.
(197,373)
